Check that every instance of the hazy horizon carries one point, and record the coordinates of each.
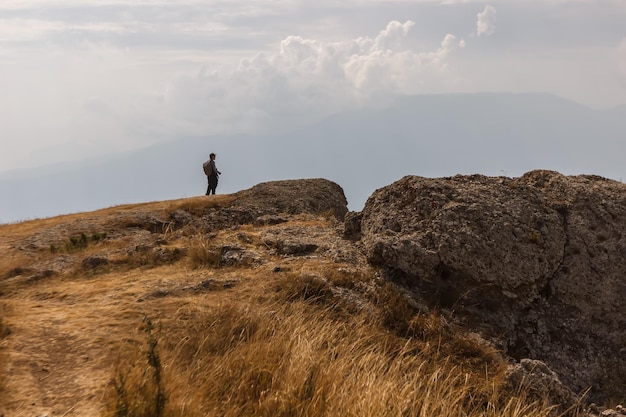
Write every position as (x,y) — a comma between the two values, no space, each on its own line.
(438,135)
(80,80)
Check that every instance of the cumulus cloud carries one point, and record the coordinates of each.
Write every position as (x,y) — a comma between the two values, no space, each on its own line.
(486,24)
(306,78)
(122,73)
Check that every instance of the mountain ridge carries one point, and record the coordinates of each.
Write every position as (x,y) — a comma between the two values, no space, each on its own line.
(439,135)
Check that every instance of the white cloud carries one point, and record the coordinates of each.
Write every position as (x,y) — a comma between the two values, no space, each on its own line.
(301,80)
(17,29)
(486,24)
(393,36)
(124,73)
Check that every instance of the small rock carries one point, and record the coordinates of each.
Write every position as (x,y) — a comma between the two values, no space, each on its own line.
(93,262)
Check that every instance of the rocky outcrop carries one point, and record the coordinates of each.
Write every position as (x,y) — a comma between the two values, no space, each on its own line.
(263,204)
(536,263)
(315,196)
(141,233)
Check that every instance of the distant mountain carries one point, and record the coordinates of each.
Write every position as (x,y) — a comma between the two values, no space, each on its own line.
(362,150)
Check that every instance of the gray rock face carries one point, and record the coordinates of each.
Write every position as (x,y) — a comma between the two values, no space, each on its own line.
(537,263)
(294,196)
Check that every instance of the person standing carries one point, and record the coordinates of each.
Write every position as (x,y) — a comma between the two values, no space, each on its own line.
(212,174)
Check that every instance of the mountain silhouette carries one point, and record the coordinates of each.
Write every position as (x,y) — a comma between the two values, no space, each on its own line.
(362,150)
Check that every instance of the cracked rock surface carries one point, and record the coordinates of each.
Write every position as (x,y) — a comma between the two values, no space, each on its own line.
(537,263)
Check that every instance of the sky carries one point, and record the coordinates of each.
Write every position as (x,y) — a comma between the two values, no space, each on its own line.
(80,78)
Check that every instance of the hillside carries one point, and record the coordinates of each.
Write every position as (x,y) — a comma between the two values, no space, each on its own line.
(427,135)
(262,302)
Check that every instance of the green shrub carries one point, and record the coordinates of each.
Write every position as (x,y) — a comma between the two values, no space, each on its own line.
(78,242)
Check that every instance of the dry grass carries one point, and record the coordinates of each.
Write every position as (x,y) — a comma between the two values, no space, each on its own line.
(204,252)
(13,264)
(199,205)
(299,359)
(150,334)
(4,331)
(301,354)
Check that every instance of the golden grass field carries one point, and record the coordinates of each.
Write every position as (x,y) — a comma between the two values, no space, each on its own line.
(184,335)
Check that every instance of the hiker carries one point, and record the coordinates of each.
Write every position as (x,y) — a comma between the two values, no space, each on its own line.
(212,174)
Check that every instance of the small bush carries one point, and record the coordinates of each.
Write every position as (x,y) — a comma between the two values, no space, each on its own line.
(293,287)
(137,388)
(203,253)
(78,242)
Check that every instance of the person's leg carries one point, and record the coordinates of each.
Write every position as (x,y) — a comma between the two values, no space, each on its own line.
(212,184)
(208,188)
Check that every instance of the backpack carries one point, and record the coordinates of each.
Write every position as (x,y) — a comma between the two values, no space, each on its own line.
(207,168)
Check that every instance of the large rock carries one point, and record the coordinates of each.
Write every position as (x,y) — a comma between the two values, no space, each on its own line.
(269,203)
(315,196)
(537,263)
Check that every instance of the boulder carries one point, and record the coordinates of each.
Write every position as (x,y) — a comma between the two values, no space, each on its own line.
(314,196)
(537,263)
(270,203)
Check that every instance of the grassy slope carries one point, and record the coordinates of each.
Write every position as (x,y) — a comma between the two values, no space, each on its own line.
(278,336)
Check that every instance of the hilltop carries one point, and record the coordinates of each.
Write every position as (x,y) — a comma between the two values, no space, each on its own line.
(277,301)
(362,150)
